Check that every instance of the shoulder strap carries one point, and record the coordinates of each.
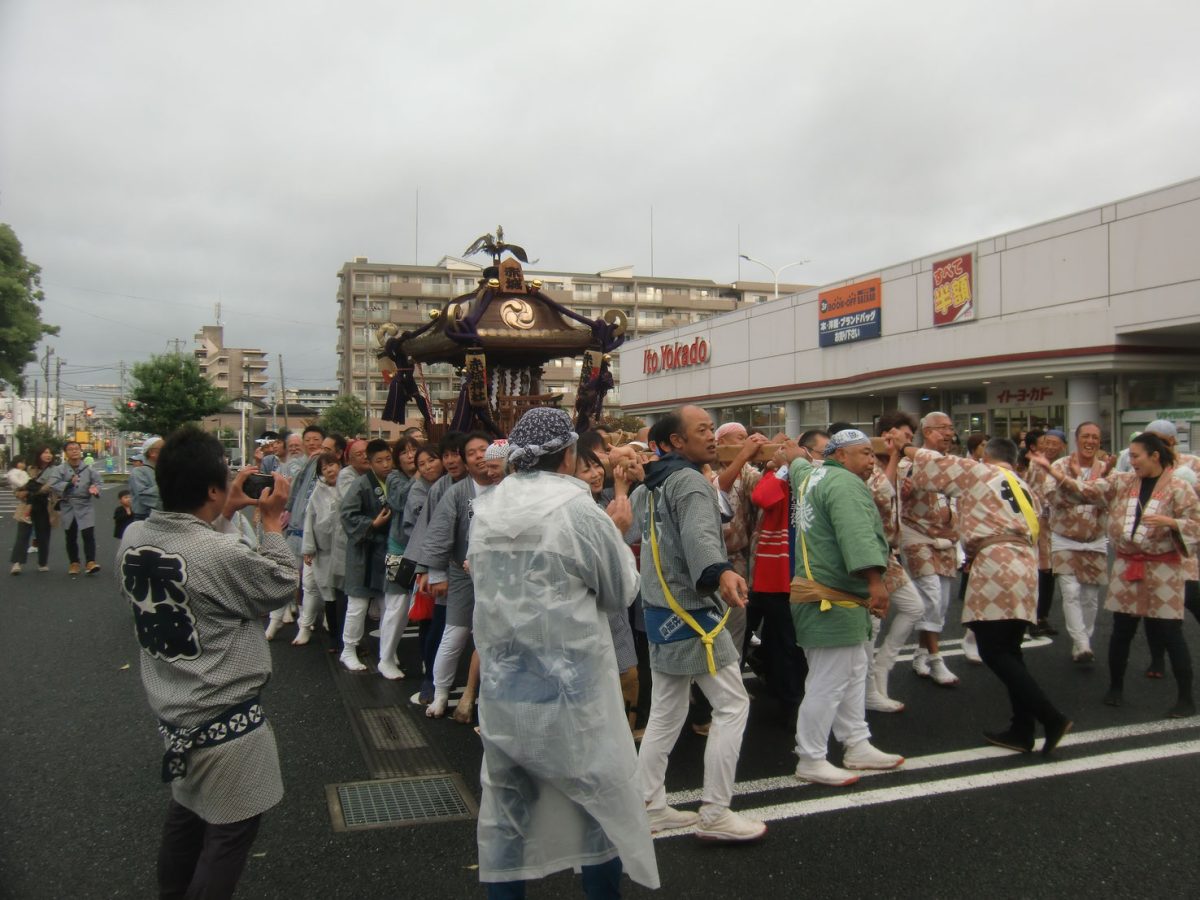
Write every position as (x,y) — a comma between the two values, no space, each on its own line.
(826,603)
(706,637)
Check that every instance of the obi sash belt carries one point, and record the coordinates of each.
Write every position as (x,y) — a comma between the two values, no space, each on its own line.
(664,630)
(805,590)
(1135,563)
(232,723)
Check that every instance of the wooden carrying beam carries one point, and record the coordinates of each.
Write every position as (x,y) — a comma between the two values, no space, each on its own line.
(727,453)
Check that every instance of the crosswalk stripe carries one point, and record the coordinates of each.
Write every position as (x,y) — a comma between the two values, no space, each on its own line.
(959,757)
(1051,769)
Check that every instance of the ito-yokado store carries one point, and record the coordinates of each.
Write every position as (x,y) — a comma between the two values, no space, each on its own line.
(1093,316)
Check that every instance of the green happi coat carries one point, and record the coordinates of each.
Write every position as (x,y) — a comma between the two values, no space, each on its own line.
(839,526)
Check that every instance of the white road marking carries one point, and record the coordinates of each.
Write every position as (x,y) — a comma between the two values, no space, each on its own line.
(958,757)
(963,783)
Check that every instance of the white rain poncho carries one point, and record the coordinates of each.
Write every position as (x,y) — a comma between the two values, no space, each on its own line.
(559,766)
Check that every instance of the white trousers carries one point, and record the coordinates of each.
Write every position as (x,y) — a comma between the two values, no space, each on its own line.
(277,614)
(834,696)
(445,664)
(669,699)
(356,619)
(935,591)
(1080,602)
(315,596)
(905,610)
(395,619)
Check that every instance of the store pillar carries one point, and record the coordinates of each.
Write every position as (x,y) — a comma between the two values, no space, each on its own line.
(791,418)
(909,402)
(1083,402)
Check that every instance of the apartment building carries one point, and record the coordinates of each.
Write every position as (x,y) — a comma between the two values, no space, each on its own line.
(371,294)
(239,371)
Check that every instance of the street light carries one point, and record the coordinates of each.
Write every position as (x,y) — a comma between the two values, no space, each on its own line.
(774,272)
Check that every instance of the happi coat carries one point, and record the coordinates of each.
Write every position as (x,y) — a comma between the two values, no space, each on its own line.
(445,547)
(337,565)
(839,536)
(559,786)
(928,532)
(1140,586)
(143,490)
(366,543)
(197,597)
(322,522)
(883,492)
(1078,541)
(772,549)
(71,483)
(996,535)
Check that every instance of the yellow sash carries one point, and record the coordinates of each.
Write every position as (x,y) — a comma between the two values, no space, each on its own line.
(706,637)
(1023,502)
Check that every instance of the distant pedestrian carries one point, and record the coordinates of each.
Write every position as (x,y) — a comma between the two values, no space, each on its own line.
(143,489)
(77,486)
(31,490)
(196,595)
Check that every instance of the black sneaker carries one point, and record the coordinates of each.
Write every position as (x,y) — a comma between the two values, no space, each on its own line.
(1054,734)
(1045,629)
(1182,710)
(1113,698)
(1009,741)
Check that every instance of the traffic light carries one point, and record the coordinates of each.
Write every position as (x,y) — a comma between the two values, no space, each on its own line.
(89,411)
(131,404)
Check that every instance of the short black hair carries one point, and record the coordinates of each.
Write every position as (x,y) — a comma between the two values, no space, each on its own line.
(808,440)
(1152,443)
(313,427)
(191,462)
(1083,425)
(452,442)
(475,436)
(897,418)
(67,444)
(661,431)
(976,439)
(124,492)
(590,442)
(1032,437)
(1001,449)
(339,442)
(426,450)
(378,445)
(835,427)
(551,462)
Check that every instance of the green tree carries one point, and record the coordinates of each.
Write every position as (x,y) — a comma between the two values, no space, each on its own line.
(30,437)
(345,416)
(21,325)
(168,391)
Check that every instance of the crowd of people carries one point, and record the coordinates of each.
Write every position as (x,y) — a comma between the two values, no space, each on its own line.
(810,562)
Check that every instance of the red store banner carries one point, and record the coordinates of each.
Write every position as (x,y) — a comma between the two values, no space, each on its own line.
(953,290)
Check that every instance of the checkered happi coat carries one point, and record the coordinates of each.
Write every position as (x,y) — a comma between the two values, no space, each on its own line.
(1082,522)
(884,495)
(1003,583)
(932,514)
(1159,594)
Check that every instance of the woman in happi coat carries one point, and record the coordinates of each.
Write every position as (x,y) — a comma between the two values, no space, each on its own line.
(322,521)
(1153,516)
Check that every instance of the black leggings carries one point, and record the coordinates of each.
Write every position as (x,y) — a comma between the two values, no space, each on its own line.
(1191,602)
(1165,633)
(198,859)
(89,542)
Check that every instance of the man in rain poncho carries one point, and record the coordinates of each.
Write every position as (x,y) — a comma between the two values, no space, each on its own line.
(559,767)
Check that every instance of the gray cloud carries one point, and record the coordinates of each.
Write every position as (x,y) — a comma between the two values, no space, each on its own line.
(241,152)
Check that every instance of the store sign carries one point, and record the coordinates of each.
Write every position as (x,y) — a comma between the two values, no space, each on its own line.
(851,313)
(953,290)
(675,356)
(1023,394)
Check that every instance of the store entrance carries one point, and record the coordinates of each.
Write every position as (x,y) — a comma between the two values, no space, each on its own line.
(1014,422)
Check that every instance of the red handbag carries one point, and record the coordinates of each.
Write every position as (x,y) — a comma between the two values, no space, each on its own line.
(422,607)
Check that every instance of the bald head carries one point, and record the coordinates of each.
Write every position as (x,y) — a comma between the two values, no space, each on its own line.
(695,441)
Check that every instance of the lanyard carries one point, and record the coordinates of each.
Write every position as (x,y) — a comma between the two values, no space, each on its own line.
(1023,502)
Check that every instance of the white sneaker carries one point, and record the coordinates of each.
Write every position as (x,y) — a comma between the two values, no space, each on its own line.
(302,636)
(971,649)
(877,702)
(863,756)
(822,771)
(15,570)
(920,663)
(437,709)
(390,670)
(668,818)
(273,629)
(755,640)
(941,676)
(349,659)
(723,824)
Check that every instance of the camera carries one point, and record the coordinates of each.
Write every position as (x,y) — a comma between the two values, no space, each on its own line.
(255,484)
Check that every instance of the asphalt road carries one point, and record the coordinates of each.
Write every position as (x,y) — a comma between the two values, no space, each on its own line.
(82,804)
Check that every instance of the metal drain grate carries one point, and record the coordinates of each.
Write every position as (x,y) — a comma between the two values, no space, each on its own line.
(399,801)
(391,729)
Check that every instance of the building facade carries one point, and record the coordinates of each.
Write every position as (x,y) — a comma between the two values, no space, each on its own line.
(1093,316)
(373,294)
(239,371)
(316,399)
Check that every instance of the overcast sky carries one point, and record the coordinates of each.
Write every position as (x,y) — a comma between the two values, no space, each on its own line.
(157,157)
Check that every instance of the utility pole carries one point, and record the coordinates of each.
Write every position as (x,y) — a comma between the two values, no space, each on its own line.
(59,418)
(46,384)
(178,342)
(283,394)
